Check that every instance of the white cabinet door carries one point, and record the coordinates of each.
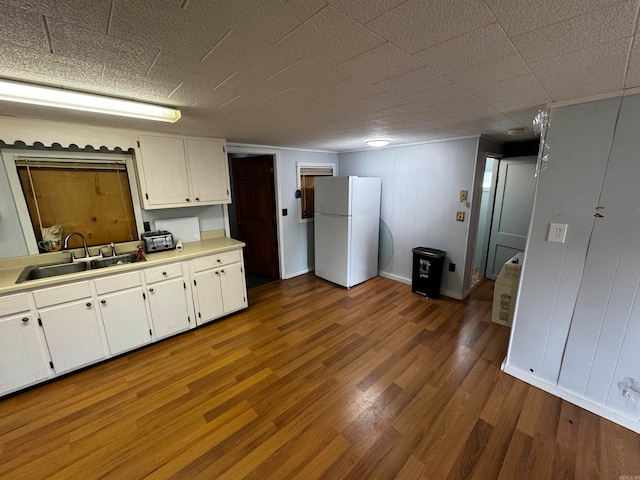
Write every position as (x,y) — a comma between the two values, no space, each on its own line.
(234,294)
(125,320)
(168,304)
(208,171)
(164,167)
(22,357)
(73,335)
(209,296)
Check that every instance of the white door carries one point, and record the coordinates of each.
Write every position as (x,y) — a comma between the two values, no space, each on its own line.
(332,195)
(208,171)
(168,304)
(125,320)
(164,167)
(234,296)
(512,210)
(22,359)
(332,248)
(209,296)
(73,334)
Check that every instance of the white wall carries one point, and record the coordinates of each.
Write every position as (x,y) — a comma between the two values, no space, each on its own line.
(420,198)
(576,326)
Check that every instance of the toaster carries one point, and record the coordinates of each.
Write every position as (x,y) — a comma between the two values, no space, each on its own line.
(157,241)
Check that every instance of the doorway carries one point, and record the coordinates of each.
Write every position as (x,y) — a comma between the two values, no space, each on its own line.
(505,213)
(252,215)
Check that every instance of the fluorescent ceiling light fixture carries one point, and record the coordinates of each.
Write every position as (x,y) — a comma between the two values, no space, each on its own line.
(59,98)
(378,142)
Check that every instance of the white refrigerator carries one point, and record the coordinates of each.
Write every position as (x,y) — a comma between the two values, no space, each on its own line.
(347,223)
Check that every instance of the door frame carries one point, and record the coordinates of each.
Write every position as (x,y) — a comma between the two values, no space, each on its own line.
(235,149)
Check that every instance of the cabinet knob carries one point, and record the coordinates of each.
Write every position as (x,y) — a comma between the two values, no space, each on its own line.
(197,199)
(217,273)
(103,302)
(221,271)
(25,319)
(187,200)
(219,261)
(88,304)
(164,273)
(151,290)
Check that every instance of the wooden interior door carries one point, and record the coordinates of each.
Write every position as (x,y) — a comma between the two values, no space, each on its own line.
(254,199)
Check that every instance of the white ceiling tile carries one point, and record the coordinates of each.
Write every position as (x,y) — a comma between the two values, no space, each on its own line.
(437,95)
(344,92)
(304,75)
(486,43)
(329,38)
(78,42)
(633,72)
(93,14)
(131,85)
(586,72)
(419,24)
(364,11)
(270,20)
(489,72)
(598,27)
(584,62)
(504,88)
(165,27)
(22,28)
(379,64)
(245,54)
(520,16)
(413,82)
(48,68)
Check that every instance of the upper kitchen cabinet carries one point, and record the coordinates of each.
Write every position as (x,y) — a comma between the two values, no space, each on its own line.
(182,172)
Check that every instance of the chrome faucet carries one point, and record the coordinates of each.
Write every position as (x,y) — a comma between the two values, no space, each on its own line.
(84,243)
(113,249)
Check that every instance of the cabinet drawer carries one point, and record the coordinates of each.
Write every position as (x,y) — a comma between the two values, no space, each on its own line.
(217,260)
(163,273)
(62,294)
(16,303)
(117,282)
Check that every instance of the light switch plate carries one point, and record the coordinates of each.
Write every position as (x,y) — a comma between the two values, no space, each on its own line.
(557,232)
(463,195)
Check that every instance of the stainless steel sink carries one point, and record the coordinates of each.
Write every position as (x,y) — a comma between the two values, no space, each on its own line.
(114,260)
(35,272)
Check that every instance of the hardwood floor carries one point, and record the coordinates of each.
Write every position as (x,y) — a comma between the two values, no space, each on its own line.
(314,381)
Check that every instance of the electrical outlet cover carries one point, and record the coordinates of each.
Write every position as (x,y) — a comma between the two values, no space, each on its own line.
(460,217)
(557,232)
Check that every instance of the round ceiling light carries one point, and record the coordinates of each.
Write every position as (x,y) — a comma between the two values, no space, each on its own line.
(378,142)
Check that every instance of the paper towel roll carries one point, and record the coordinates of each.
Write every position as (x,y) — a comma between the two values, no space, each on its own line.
(179,245)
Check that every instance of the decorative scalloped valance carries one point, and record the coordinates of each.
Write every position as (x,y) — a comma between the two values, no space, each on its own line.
(50,135)
(58,147)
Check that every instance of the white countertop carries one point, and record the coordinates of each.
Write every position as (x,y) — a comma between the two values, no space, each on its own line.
(10,269)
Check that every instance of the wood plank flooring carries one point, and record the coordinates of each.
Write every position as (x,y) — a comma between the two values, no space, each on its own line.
(314,381)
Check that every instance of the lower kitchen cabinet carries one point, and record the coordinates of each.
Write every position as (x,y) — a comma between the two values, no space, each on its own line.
(168,305)
(54,330)
(22,357)
(219,291)
(73,334)
(124,316)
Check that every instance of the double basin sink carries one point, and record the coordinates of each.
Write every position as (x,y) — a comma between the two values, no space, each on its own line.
(36,272)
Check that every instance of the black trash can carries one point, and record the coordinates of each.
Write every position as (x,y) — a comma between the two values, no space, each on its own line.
(427,271)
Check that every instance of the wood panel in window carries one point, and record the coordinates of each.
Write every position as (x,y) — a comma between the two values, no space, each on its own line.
(93,201)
